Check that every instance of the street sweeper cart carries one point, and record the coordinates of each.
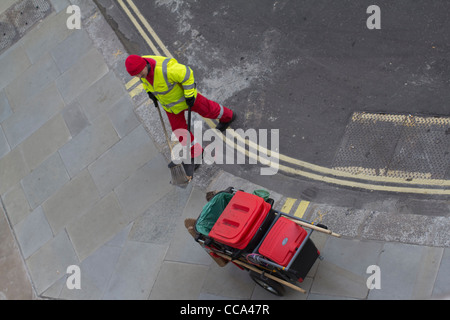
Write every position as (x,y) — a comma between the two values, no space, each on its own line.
(243,228)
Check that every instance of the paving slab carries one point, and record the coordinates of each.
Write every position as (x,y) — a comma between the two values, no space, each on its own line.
(75,118)
(136,271)
(101,96)
(16,204)
(228,282)
(120,239)
(152,123)
(13,63)
(428,270)
(334,280)
(44,69)
(89,69)
(14,282)
(95,271)
(87,8)
(410,271)
(29,118)
(50,262)
(60,5)
(146,186)
(45,180)
(70,201)
(5,108)
(98,225)
(178,281)
(442,284)
(158,224)
(67,52)
(33,232)
(46,35)
(45,141)
(12,169)
(183,248)
(336,277)
(123,117)
(6,4)
(88,145)
(122,160)
(4,145)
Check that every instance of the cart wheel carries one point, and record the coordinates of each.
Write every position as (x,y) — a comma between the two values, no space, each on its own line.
(267,284)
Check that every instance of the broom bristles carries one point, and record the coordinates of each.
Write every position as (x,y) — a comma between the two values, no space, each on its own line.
(179,176)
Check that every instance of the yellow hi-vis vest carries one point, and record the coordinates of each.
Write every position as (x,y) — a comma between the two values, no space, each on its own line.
(172,84)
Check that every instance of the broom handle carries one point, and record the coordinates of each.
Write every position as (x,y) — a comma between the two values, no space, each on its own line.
(189,129)
(288,284)
(311,226)
(164,127)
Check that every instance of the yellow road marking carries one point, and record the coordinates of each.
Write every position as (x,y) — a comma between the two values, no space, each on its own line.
(136,90)
(334,181)
(301,209)
(320,170)
(139,28)
(149,28)
(132,82)
(288,205)
(333,172)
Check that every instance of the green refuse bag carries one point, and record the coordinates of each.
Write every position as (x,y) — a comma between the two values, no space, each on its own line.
(212,211)
(262,193)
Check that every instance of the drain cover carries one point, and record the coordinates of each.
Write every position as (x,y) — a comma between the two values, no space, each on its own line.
(19,18)
(8,34)
(401,146)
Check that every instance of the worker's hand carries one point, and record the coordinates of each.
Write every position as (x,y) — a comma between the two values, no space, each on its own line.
(190,101)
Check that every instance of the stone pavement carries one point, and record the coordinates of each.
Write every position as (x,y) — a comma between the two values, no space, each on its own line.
(84,181)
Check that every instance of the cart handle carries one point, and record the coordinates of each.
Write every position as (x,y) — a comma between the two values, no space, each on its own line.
(288,284)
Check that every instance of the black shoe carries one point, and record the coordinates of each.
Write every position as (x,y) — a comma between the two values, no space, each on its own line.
(189,168)
(222,126)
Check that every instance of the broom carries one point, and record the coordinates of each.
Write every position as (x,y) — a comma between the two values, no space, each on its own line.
(177,171)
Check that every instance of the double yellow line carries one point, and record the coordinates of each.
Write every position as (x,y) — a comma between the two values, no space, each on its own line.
(134,84)
(294,166)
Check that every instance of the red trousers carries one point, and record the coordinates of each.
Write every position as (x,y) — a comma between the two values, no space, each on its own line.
(207,109)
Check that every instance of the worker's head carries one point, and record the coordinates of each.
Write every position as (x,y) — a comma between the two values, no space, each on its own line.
(136,66)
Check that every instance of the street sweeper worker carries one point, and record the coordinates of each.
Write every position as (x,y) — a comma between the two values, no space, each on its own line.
(173,85)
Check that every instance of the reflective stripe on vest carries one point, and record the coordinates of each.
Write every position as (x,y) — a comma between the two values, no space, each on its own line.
(172,97)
